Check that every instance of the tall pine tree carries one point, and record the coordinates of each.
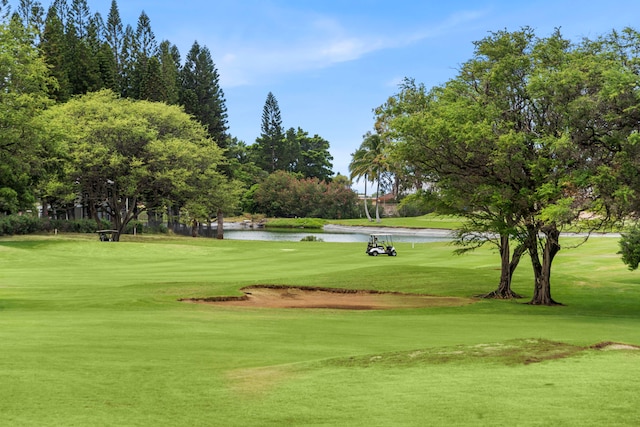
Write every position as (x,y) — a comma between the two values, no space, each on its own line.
(269,150)
(201,94)
(81,63)
(146,48)
(5,10)
(31,12)
(53,46)
(169,57)
(114,37)
(127,62)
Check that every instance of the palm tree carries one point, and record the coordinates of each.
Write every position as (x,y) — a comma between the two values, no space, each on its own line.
(369,161)
(358,168)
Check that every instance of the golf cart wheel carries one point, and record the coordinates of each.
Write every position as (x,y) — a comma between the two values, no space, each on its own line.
(393,253)
(374,253)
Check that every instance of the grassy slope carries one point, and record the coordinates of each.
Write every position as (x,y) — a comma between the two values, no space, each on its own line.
(92,334)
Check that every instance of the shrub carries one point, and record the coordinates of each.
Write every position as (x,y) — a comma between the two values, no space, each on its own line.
(311,238)
(286,195)
(630,248)
(156,229)
(19,224)
(417,204)
(134,227)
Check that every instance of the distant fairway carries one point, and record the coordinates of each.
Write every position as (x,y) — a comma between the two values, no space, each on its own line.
(93,334)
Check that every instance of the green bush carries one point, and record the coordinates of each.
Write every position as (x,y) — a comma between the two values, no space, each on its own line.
(19,224)
(74,226)
(156,229)
(630,248)
(311,238)
(417,204)
(286,195)
(134,225)
(28,224)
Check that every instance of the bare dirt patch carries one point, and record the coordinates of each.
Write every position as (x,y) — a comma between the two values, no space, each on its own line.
(274,296)
(609,345)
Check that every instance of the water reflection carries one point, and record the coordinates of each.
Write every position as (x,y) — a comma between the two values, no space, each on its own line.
(328,236)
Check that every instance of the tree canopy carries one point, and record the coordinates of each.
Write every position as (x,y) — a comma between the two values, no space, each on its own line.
(24,86)
(201,94)
(525,141)
(127,155)
(58,56)
(291,151)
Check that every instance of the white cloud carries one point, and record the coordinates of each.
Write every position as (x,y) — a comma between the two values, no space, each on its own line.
(314,42)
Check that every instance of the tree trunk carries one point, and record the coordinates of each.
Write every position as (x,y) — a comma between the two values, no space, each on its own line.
(220,227)
(366,207)
(93,213)
(508,266)
(542,270)
(194,228)
(122,211)
(378,201)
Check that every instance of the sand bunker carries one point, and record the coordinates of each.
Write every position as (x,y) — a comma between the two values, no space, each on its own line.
(315,297)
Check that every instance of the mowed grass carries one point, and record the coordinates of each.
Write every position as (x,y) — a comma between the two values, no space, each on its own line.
(423,221)
(93,334)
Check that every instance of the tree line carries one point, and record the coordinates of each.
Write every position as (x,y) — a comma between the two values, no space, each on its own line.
(534,136)
(81,105)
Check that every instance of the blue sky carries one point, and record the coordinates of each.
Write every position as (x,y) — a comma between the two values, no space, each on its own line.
(330,62)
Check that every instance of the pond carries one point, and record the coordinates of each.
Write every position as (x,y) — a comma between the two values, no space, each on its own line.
(332,233)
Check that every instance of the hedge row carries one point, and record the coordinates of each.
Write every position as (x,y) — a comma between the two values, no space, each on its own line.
(27,224)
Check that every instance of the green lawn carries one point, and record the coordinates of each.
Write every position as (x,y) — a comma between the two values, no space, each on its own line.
(93,335)
(424,221)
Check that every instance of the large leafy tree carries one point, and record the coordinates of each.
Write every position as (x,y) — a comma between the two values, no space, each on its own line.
(310,154)
(463,136)
(218,196)
(240,166)
(523,143)
(452,141)
(121,154)
(284,194)
(24,88)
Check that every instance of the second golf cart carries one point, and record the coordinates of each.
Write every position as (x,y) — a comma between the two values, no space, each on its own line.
(381,244)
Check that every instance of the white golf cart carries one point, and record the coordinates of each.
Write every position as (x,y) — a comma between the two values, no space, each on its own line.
(380,244)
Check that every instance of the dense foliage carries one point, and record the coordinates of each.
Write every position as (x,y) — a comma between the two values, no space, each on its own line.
(26,224)
(24,83)
(533,136)
(291,151)
(125,156)
(630,248)
(284,194)
(113,141)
